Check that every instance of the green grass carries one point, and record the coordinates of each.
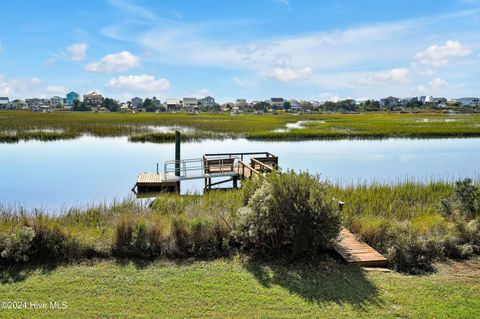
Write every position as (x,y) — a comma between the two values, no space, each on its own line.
(24,125)
(241,288)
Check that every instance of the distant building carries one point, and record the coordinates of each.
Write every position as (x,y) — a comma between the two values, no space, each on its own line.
(56,101)
(422,99)
(190,102)
(295,105)
(241,103)
(469,101)
(390,101)
(33,102)
(276,101)
(93,99)
(137,103)
(430,101)
(441,101)
(4,102)
(19,104)
(208,101)
(172,104)
(71,98)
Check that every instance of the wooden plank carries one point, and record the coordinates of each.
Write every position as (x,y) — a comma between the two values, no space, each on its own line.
(357,252)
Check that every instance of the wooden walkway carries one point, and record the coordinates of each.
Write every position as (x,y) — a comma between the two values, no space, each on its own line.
(357,252)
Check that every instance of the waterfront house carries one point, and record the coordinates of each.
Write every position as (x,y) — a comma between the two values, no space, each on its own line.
(56,101)
(390,101)
(241,104)
(4,102)
(71,98)
(33,102)
(276,102)
(19,105)
(469,101)
(190,102)
(137,103)
(172,104)
(208,101)
(93,99)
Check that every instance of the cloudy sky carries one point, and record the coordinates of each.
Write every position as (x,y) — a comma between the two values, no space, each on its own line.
(252,49)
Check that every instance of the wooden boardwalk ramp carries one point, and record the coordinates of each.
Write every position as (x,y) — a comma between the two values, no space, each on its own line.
(357,252)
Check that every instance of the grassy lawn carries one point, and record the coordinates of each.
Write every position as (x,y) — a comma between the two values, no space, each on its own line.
(237,288)
(24,125)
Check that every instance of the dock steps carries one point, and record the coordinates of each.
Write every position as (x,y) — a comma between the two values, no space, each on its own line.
(357,252)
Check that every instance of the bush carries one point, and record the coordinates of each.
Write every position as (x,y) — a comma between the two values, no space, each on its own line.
(52,243)
(18,245)
(415,254)
(290,216)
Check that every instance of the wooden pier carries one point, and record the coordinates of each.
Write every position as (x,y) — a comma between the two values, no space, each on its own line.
(357,252)
(214,169)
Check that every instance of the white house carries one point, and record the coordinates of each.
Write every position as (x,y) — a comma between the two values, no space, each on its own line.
(56,101)
(172,104)
(190,102)
(276,101)
(295,105)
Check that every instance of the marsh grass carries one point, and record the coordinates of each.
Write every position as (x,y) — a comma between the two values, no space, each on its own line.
(24,125)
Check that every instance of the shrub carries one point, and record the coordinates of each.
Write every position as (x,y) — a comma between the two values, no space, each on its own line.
(415,254)
(290,216)
(18,245)
(468,196)
(52,243)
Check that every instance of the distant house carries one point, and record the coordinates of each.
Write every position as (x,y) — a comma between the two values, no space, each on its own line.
(441,101)
(33,102)
(71,98)
(241,104)
(430,101)
(276,102)
(93,99)
(208,101)
(4,102)
(390,101)
(190,102)
(56,101)
(137,103)
(295,105)
(19,105)
(172,104)
(469,101)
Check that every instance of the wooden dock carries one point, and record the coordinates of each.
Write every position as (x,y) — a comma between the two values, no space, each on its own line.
(232,167)
(357,252)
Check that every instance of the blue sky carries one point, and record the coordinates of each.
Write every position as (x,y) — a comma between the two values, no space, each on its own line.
(323,50)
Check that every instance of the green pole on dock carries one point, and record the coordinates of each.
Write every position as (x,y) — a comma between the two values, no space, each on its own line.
(177,158)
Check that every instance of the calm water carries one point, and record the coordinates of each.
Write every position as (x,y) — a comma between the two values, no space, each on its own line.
(61,174)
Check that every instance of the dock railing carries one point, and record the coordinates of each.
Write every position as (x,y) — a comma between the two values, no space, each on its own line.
(198,167)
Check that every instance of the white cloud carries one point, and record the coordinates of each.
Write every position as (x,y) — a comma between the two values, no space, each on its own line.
(49,62)
(438,55)
(393,75)
(288,74)
(249,84)
(77,51)
(25,88)
(56,89)
(116,62)
(433,86)
(144,83)
(327,96)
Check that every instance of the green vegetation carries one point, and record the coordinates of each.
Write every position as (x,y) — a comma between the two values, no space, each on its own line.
(144,127)
(241,288)
(183,256)
(413,224)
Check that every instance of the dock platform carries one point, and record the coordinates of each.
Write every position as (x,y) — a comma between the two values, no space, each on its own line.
(357,252)
(232,167)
